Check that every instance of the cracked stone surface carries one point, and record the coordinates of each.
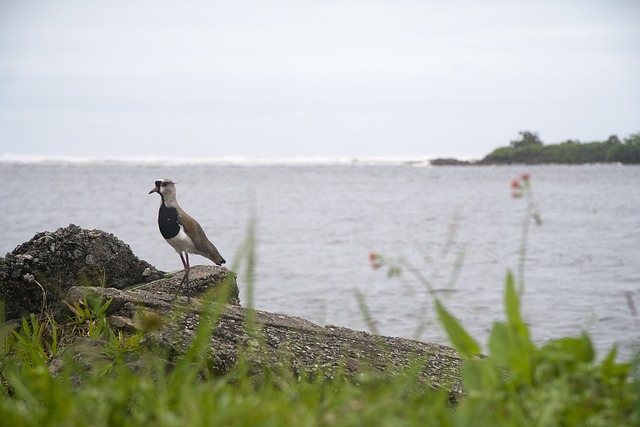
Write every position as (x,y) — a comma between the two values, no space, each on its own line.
(279,341)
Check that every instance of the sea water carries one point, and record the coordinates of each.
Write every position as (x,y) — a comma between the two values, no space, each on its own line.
(317,222)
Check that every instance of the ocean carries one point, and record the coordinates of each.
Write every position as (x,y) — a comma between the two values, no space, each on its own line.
(316,223)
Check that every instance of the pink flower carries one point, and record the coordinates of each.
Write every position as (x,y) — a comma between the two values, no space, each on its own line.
(525,176)
(516,189)
(374,259)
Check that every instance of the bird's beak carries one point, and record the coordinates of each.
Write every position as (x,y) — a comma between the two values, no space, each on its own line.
(154,190)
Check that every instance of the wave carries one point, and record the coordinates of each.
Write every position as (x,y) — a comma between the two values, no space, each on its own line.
(219,161)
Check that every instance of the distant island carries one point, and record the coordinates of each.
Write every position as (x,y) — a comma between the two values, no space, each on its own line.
(529,149)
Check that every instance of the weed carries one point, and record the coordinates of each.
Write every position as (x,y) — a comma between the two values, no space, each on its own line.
(31,344)
(91,317)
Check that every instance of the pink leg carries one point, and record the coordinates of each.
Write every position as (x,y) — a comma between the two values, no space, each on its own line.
(185,278)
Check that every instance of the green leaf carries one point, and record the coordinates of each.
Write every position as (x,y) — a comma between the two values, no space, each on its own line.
(481,375)
(570,350)
(512,302)
(459,337)
(611,369)
(513,338)
(586,353)
(499,344)
(512,307)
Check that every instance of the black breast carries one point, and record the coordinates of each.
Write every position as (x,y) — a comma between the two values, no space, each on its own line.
(168,221)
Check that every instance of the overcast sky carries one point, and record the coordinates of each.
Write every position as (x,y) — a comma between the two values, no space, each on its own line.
(274,79)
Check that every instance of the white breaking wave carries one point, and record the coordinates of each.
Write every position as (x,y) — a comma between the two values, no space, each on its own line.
(221,161)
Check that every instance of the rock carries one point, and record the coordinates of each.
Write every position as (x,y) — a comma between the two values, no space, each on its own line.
(449,162)
(278,341)
(123,323)
(202,278)
(87,354)
(52,262)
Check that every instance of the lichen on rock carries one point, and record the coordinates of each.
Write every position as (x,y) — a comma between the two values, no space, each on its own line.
(52,262)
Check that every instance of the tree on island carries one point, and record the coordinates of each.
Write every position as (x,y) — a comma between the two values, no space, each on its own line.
(529,149)
(527,139)
(613,140)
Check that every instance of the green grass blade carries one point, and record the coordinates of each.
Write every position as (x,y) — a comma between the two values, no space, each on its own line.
(512,305)
(459,337)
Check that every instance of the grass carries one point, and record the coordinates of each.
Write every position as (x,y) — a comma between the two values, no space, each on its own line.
(519,383)
(118,392)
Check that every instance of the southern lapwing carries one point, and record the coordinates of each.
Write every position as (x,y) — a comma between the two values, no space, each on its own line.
(181,231)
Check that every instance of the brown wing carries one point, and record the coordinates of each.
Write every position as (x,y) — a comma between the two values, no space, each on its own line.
(200,240)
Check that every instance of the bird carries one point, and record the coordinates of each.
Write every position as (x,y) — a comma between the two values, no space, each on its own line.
(181,231)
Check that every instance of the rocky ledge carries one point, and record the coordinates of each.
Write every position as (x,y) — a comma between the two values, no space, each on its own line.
(449,161)
(66,265)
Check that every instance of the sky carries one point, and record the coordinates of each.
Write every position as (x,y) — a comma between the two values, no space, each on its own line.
(309,79)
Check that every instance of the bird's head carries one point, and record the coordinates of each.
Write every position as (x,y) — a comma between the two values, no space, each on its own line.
(165,188)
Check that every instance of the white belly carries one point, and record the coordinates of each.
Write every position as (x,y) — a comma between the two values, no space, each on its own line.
(182,243)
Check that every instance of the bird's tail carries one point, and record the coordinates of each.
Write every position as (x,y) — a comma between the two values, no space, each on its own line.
(214,255)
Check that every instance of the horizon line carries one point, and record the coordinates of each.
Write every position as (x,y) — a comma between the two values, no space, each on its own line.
(223,160)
